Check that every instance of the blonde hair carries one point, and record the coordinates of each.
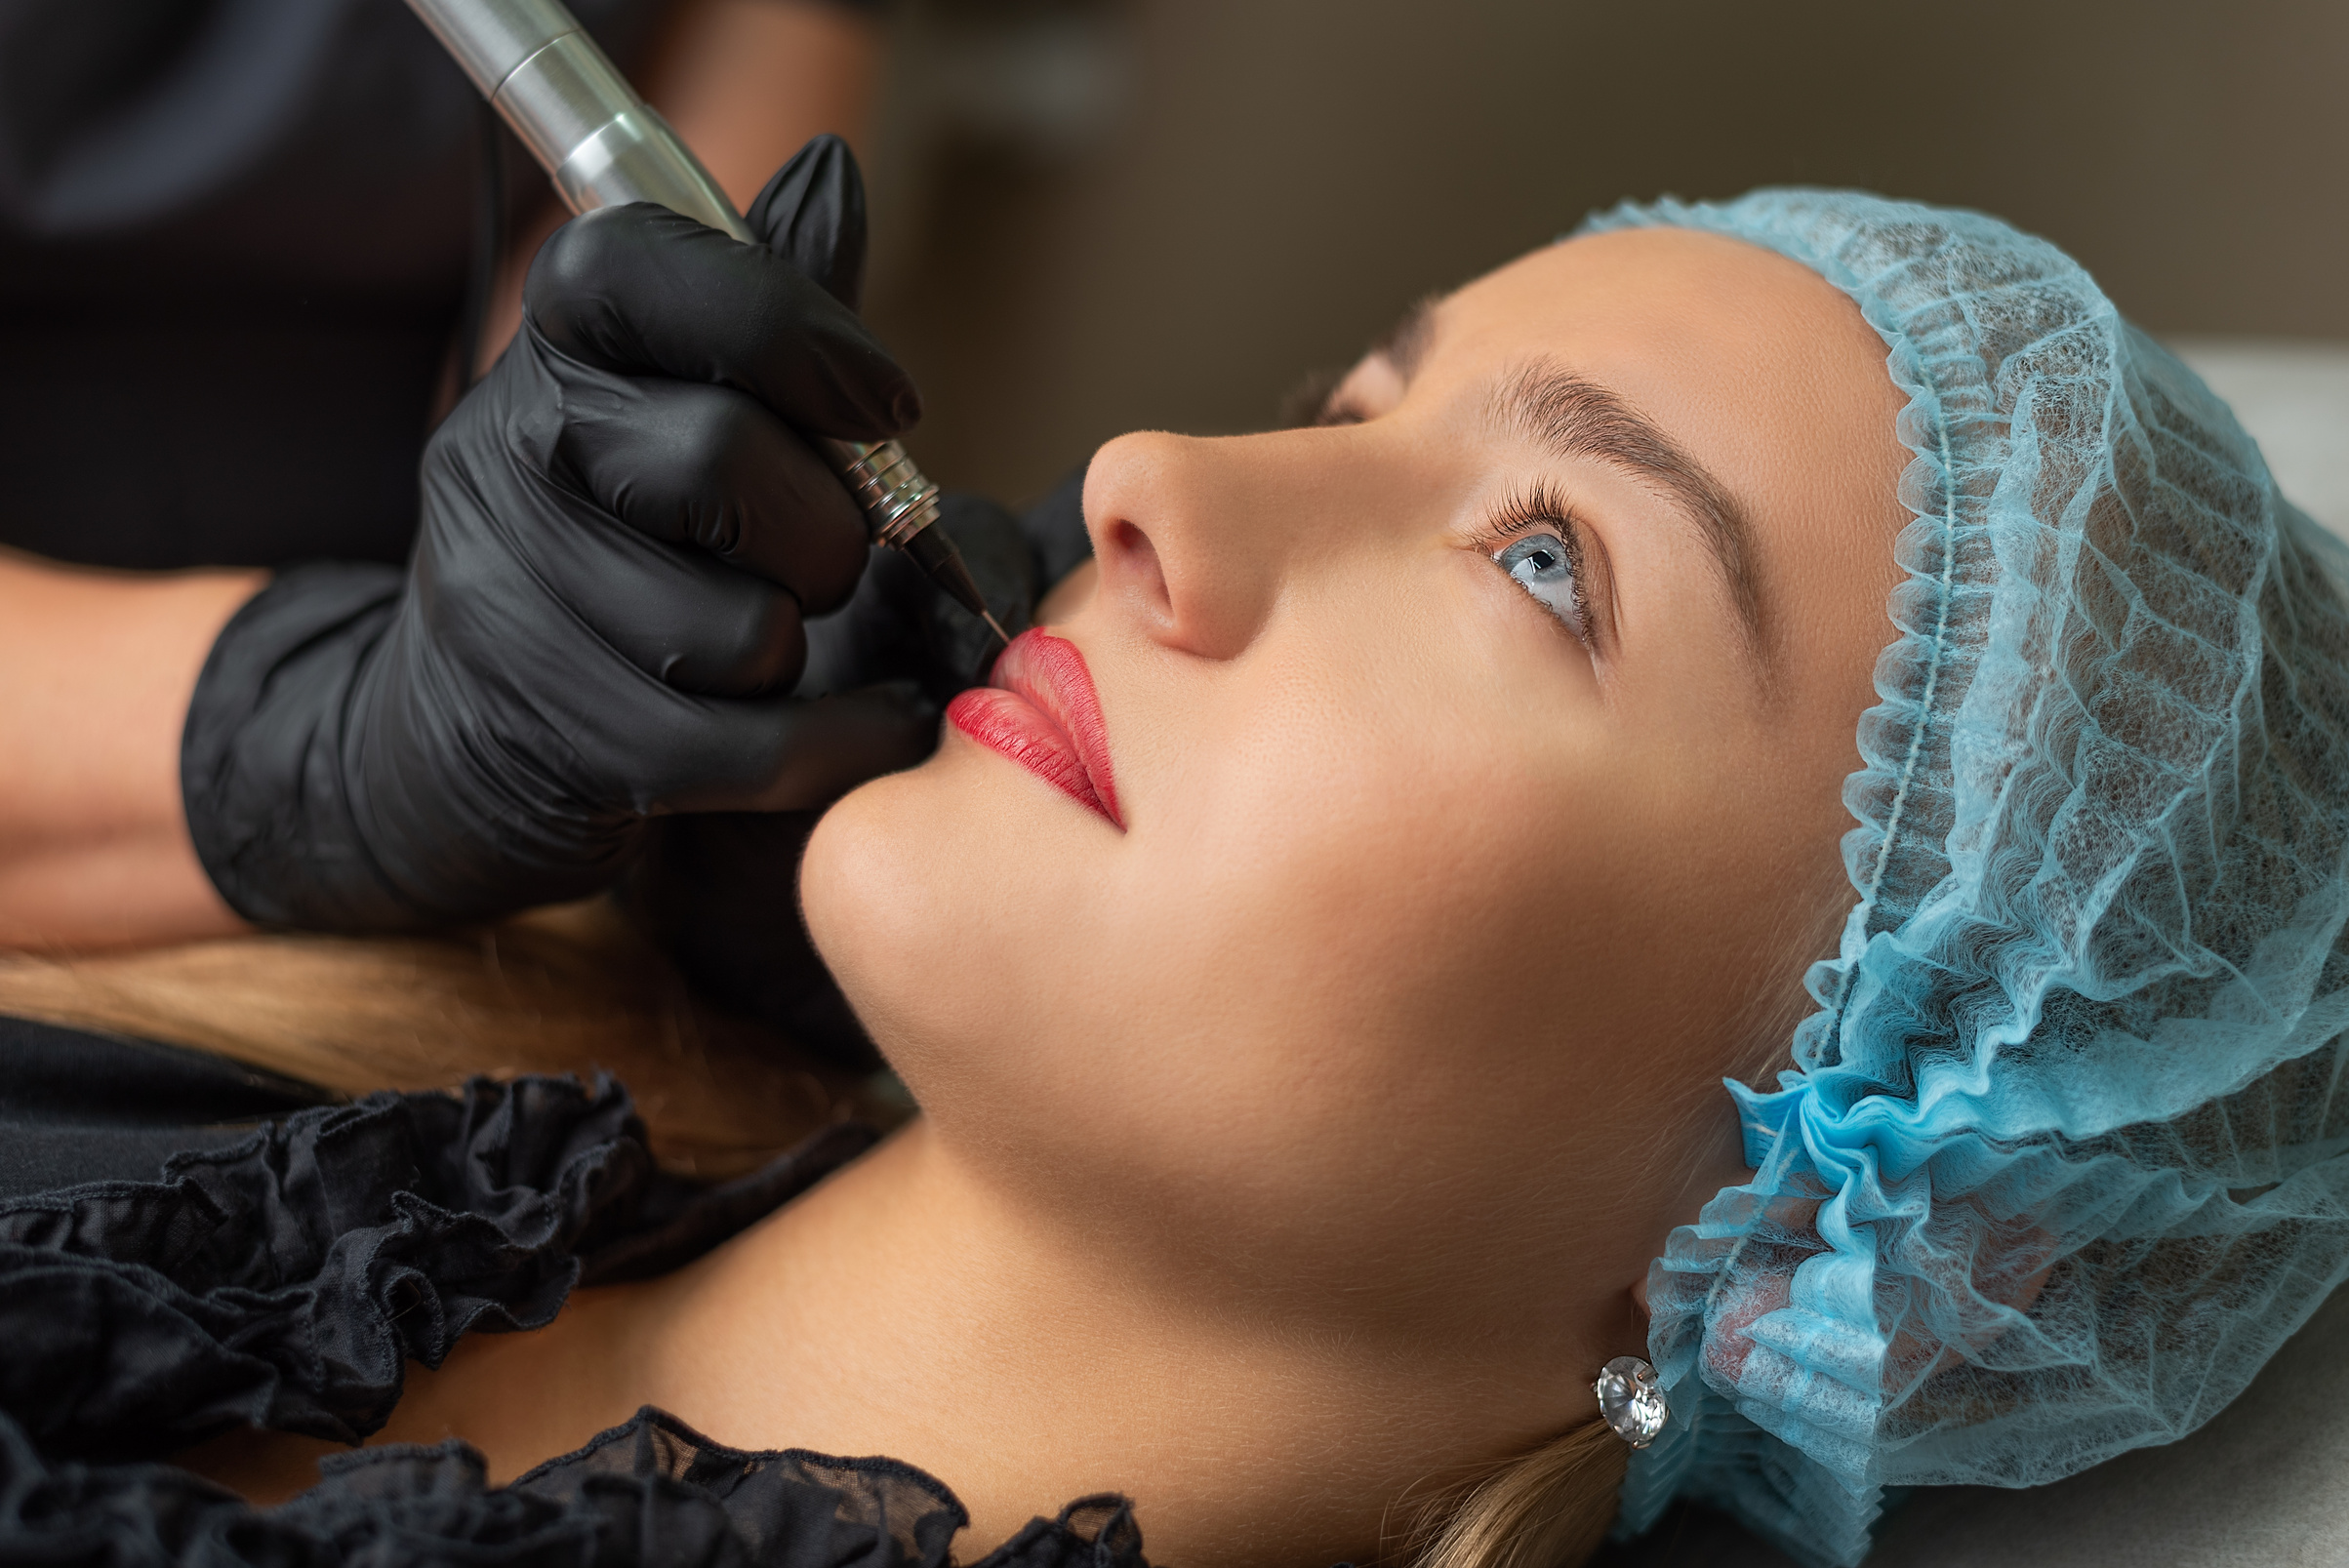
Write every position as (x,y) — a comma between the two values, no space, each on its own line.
(1546,1509)
(565,989)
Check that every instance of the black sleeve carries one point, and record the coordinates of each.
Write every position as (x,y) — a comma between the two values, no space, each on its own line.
(289,653)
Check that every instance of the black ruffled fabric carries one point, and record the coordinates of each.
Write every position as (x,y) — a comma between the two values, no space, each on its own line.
(283,1281)
(650,1494)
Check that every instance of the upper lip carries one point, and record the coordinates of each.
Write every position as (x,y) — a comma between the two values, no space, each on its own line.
(1050,672)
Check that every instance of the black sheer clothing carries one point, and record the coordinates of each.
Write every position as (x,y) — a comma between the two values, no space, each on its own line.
(80,1107)
(282,1269)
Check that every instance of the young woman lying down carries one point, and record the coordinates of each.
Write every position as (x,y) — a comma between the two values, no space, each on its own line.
(1411,940)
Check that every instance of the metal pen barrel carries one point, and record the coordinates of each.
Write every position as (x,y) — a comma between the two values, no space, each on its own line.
(600,144)
(604,147)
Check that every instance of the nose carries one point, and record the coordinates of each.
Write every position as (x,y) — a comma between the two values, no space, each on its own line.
(1196,536)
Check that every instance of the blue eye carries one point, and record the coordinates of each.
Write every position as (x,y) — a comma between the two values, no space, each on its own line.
(1544,564)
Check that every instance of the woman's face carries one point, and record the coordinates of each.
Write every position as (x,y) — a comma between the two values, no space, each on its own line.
(1478,753)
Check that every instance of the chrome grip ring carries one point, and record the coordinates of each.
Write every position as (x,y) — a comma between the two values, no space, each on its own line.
(898,500)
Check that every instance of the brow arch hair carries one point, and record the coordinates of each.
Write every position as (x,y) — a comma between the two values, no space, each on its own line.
(1576,418)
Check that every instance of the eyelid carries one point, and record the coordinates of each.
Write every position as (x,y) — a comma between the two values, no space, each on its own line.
(1531,510)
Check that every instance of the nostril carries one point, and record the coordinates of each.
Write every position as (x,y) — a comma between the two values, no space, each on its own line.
(1128,539)
(1135,560)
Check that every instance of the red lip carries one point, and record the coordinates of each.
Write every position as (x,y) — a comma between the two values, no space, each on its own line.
(1040,710)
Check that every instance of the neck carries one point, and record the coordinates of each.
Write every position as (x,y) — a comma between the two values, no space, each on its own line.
(907,1307)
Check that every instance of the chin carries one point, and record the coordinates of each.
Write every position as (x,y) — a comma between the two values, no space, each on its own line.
(861,895)
(909,890)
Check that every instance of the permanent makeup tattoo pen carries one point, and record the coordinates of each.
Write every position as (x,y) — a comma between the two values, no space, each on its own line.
(603,145)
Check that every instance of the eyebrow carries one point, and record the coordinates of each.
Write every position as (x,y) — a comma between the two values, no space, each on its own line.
(1576,418)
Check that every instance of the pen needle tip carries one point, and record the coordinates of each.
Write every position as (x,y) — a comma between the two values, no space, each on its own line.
(996,626)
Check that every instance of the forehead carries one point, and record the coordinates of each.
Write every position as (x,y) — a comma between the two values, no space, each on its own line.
(1673,313)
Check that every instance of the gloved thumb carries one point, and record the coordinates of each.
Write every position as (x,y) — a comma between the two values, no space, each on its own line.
(817,749)
(812,215)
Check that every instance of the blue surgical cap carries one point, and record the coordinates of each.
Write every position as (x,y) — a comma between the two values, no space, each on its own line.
(2064,1155)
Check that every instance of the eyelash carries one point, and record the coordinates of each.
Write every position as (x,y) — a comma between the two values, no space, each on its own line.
(1535,512)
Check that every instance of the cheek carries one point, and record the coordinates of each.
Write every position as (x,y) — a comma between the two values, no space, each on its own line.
(1349,925)
(1323,1027)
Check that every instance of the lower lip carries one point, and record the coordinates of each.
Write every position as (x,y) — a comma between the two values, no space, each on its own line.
(1007,722)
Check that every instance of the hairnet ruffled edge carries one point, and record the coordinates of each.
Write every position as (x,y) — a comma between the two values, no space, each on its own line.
(1753,1458)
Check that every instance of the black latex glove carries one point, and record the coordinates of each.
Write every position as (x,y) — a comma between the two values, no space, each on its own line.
(622,534)
(719,892)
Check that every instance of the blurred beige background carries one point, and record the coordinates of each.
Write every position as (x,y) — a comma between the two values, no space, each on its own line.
(1094,217)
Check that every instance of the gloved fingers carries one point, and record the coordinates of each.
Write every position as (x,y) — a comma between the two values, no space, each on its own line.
(812,215)
(706,466)
(688,621)
(875,636)
(898,624)
(797,754)
(714,891)
(641,291)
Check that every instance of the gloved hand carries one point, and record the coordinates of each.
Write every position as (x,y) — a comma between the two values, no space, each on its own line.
(623,532)
(717,890)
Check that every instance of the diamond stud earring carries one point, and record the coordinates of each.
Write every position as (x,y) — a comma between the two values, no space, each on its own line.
(1631,1400)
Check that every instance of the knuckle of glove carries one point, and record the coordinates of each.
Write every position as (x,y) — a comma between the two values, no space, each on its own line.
(566,293)
(516,414)
(642,290)
(804,529)
(709,467)
(666,458)
(699,626)
(706,453)
(599,273)
(760,646)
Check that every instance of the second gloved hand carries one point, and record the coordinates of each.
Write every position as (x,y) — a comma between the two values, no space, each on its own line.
(623,531)
(715,889)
